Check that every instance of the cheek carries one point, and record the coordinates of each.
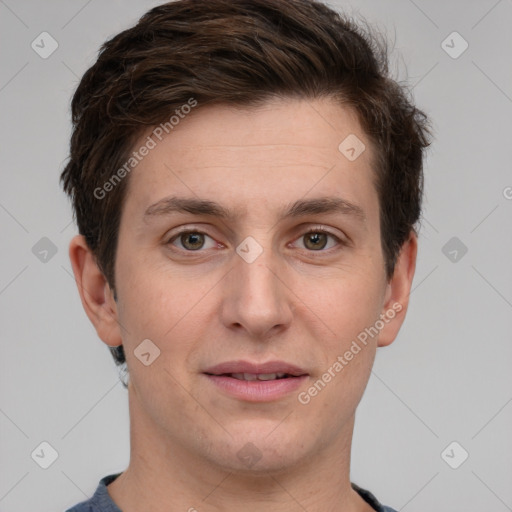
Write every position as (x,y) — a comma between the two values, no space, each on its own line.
(151,308)
(350,305)
(173,313)
(349,310)
(153,300)
(349,351)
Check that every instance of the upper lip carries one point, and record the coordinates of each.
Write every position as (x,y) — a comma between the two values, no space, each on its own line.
(256,368)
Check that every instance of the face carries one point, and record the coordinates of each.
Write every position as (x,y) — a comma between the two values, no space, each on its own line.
(250,244)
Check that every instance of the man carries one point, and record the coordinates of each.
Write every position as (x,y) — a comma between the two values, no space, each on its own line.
(246,180)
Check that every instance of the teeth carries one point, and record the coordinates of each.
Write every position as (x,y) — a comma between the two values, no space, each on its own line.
(267,376)
(260,376)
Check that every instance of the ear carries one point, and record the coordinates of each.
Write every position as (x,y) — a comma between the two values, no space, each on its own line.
(95,293)
(398,290)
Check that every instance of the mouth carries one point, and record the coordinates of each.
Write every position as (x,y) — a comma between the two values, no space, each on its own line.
(255,376)
(256,382)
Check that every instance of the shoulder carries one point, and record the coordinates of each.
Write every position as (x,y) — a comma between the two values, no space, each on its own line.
(100,501)
(371,499)
(84,506)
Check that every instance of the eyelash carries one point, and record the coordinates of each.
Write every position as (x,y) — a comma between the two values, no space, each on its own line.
(313,230)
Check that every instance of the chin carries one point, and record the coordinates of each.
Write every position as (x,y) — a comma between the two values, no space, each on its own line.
(261,451)
(263,465)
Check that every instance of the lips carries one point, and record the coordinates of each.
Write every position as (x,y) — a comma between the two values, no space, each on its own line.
(257,382)
(245,370)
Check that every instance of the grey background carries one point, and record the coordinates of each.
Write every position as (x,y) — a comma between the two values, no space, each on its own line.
(446,378)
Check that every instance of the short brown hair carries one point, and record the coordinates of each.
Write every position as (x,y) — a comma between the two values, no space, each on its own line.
(238,52)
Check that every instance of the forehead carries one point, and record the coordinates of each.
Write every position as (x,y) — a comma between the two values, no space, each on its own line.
(269,155)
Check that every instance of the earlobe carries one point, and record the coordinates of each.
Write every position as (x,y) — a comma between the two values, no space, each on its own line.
(95,293)
(398,290)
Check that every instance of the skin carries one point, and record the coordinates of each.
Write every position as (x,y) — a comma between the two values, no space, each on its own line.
(295,302)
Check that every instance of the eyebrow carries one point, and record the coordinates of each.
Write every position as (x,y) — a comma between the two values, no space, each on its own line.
(299,208)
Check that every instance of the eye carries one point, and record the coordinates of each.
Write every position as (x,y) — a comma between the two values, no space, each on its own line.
(317,239)
(192,240)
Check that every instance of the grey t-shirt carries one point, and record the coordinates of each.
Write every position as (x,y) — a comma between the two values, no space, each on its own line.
(102,502)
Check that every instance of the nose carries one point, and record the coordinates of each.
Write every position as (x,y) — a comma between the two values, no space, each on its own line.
(256,297)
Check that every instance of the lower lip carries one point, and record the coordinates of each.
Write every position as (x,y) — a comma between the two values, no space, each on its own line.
(257,390)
